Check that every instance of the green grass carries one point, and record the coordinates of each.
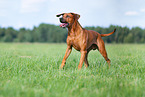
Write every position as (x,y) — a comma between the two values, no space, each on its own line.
(32,70)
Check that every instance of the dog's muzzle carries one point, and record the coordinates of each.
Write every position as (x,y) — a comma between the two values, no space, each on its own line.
(64,23)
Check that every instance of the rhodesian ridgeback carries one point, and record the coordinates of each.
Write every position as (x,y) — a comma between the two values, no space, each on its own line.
(81,39)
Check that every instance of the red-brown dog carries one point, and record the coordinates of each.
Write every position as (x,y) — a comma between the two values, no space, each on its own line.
(81,39)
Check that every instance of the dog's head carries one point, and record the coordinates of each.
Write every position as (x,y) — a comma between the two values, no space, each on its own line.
(68,19)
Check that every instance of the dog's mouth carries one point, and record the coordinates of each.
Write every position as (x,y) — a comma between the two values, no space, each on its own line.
(64,25)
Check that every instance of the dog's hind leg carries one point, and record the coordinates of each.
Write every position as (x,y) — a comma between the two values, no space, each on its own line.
(102,50)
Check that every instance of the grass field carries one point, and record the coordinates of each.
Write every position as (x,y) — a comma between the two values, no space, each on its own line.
(32,70)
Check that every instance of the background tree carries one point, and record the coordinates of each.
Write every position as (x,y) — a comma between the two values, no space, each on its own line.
(55,34)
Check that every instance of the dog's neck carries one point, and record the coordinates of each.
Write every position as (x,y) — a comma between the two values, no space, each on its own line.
(75,28)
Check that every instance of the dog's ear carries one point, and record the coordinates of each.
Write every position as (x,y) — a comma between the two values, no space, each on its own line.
(59,15)
(77,16)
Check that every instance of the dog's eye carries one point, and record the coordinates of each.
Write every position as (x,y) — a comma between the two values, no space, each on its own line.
(67,16)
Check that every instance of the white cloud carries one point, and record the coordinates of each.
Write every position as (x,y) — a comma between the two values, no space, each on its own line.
(135,13)
(131,13)
(28,6)
(142,10)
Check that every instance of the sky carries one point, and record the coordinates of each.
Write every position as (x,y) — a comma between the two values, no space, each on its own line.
(30,13)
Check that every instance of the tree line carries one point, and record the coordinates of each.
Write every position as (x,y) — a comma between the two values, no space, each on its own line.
(55,34)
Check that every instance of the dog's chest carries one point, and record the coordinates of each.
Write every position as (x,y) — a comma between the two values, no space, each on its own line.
(77,47)
(75,42)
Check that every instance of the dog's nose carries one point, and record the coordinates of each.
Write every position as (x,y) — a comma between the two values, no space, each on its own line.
(61,19)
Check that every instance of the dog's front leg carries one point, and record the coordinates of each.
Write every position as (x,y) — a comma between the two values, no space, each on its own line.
(83,54)
(67,53)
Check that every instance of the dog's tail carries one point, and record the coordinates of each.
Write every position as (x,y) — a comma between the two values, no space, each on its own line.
(104,35)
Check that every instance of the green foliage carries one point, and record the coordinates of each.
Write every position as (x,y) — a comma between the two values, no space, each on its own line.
(55,34)
(32,70)
(129,38)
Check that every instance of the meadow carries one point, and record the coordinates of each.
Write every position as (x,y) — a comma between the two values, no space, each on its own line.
(32,70)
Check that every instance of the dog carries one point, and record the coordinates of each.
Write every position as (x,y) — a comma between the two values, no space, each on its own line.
(81,39)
